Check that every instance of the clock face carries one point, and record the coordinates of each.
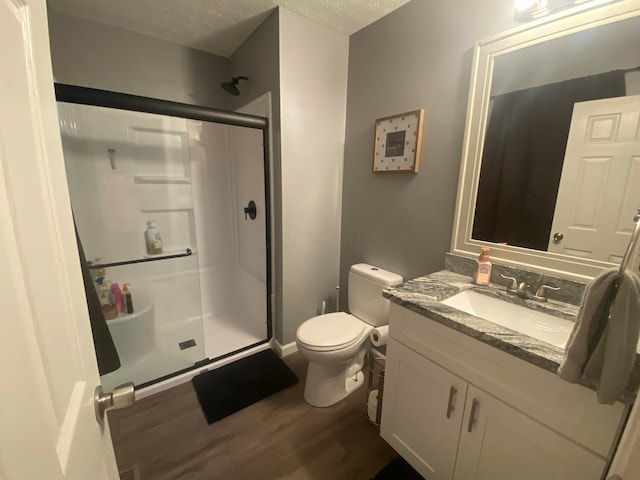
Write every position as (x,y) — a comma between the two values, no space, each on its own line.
(396,142)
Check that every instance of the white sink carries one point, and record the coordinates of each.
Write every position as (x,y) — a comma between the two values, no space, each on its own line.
(541,326)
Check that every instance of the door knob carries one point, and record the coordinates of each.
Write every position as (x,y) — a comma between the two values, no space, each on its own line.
(250,210)
(121,397)
(557,237)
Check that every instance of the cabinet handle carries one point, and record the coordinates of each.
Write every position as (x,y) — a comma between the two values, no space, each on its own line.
(452,393)
(472,416)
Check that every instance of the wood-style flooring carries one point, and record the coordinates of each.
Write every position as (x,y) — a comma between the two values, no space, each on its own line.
(166,437)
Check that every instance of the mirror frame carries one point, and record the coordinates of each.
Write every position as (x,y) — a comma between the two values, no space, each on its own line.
(590,15)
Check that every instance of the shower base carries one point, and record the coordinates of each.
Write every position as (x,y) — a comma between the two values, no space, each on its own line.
(222,336)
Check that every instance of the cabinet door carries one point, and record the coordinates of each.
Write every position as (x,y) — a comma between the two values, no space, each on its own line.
(422,411)
(504,444)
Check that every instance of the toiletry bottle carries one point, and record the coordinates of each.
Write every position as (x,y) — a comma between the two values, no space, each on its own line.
(127,298)
(100,275)
(103,284)
(94,272)
(108,308)
(117,297)
(483,268)
(123,298)
(153,239)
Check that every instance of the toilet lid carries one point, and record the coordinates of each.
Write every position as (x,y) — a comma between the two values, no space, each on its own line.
(331,330)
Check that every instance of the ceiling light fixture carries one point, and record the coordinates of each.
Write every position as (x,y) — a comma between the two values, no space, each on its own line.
(525,5)
(527,10)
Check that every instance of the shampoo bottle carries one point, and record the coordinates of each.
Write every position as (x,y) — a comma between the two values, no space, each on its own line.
(153,239)
(127,298)
(483,268)
(103,284)
(117,297)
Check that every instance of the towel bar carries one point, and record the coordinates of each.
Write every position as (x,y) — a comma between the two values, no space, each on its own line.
(94,266)
(632,243)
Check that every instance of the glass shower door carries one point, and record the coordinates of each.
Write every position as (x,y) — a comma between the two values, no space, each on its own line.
(176,209)
(232,226)
(126,170)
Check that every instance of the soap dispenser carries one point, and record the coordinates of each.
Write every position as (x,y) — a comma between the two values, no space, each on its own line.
(482,273)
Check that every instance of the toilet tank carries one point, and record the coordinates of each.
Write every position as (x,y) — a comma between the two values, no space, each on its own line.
(366,302)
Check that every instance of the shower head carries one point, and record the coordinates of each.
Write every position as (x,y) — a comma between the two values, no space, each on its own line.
(232,86)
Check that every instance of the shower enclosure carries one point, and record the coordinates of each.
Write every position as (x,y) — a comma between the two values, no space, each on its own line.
(201,175)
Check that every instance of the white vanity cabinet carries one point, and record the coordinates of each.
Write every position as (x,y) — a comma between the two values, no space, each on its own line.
(459,409)
(498,442)
(422,413)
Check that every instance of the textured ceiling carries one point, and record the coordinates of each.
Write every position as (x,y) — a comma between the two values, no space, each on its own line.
(220,26)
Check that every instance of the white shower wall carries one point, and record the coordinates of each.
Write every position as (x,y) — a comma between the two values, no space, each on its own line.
(228,172)
(186,176)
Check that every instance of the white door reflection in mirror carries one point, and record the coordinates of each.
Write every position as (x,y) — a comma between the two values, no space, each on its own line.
(599,189)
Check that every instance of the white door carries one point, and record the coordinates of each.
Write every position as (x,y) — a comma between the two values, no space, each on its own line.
(48,374)
(599,189)
(422,412)
(504,444)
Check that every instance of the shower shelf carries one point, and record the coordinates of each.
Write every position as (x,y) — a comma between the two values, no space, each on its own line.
(161,179)
(154,258)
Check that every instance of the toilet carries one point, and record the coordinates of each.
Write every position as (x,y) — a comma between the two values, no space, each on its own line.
(335,344)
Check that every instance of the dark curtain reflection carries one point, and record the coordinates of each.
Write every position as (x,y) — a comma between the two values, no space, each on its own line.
(106,353)
(523,155)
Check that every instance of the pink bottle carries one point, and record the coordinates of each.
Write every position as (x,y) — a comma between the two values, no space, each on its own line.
(117,297)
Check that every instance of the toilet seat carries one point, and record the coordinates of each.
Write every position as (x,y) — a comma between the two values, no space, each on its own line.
(333,331)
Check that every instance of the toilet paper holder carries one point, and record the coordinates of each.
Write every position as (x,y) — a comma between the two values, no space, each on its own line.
(375,387)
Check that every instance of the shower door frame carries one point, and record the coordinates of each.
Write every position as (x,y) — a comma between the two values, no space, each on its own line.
(123,101)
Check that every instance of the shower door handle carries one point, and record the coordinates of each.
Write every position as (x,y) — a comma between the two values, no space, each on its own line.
(250,210)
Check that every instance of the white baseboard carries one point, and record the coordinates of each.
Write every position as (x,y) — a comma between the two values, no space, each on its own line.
(283,350)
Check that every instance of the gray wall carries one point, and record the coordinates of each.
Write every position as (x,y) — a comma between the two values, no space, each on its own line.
(419,56)
(90,54)
(258,58)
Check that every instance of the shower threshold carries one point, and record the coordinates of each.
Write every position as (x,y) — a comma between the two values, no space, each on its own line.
(177,378)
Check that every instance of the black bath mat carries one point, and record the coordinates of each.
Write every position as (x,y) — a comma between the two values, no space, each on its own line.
(233,387)
(399,469)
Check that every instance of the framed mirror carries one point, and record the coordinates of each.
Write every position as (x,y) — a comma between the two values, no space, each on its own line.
(550,173)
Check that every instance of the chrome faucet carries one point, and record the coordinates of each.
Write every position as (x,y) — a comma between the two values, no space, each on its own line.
(523,290)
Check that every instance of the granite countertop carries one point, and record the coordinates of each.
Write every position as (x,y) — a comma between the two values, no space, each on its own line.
(424,294)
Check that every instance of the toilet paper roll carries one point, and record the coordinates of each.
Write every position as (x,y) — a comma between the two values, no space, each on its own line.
(379,336)
(372,406)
